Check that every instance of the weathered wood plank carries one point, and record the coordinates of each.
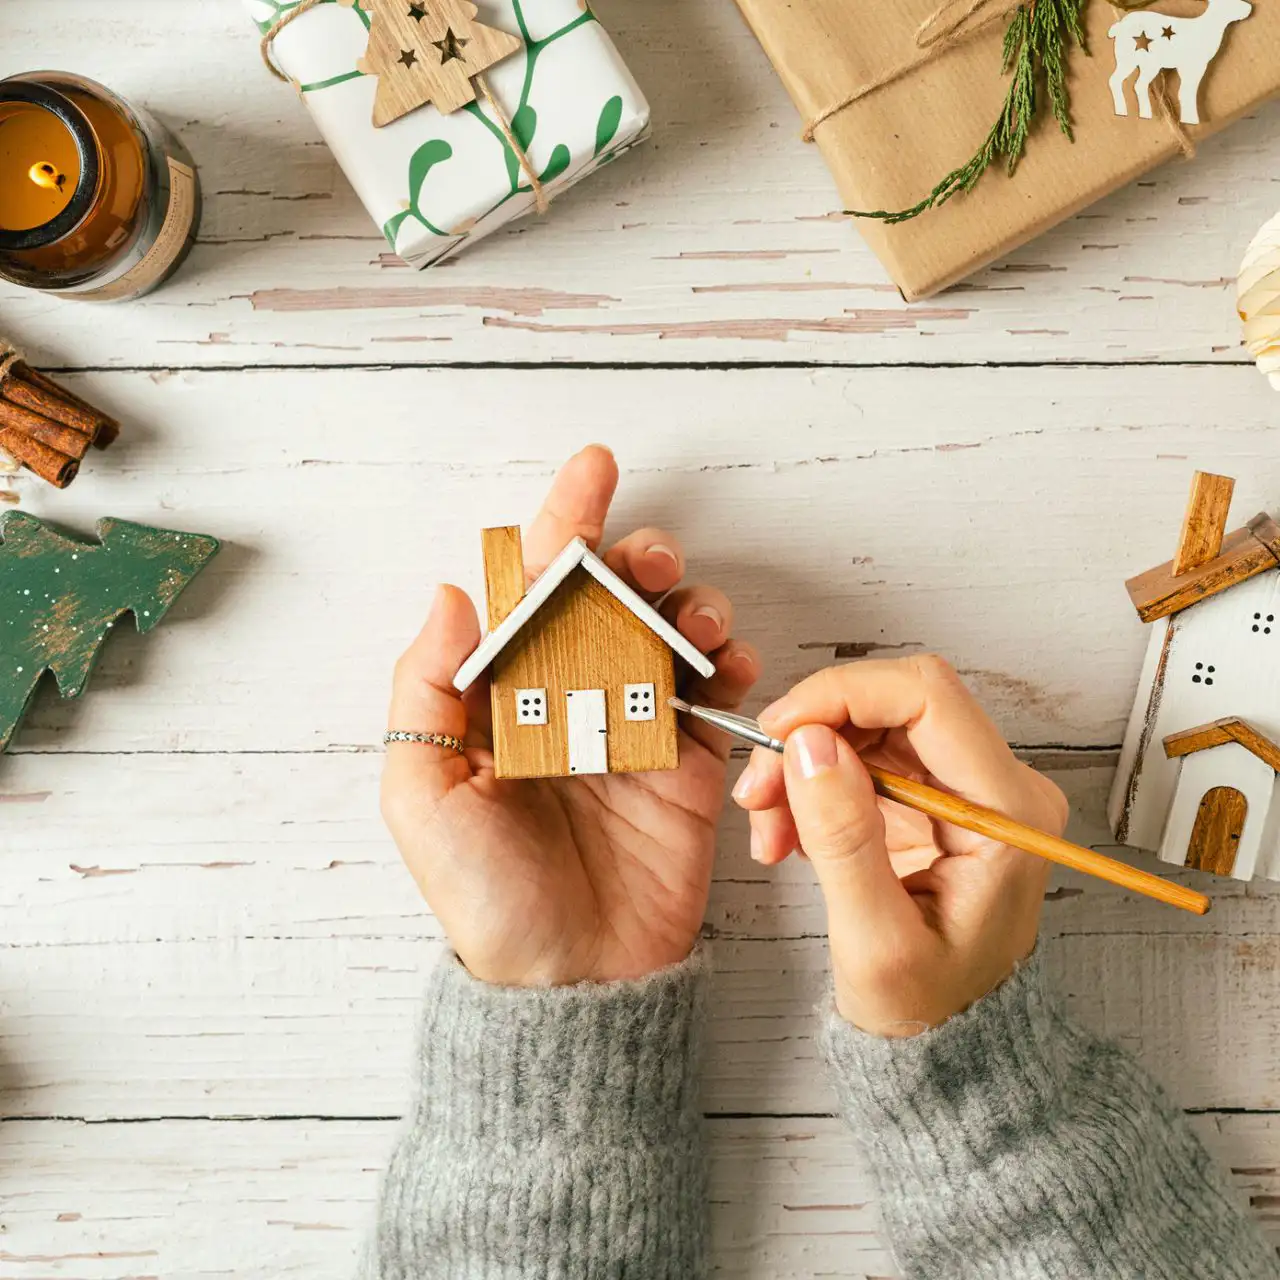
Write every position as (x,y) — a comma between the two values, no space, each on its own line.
(262,1027)
(720,241)
(338,520)
(197,1201)
(222,928)
(201,848)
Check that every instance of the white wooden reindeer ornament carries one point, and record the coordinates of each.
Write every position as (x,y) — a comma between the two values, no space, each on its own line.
(1148,42)
(1199,776)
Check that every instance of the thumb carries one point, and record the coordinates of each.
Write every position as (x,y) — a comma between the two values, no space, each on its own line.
(423,699)
(842,831)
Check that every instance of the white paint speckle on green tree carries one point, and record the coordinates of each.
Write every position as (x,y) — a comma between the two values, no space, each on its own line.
(131,566)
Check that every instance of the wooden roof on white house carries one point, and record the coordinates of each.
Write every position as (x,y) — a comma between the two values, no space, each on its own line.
(1246,553)
(576,554)
(1218,733)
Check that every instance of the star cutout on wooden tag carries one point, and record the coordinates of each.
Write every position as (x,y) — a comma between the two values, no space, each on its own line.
(450,47)
(429,51)
(1143,41)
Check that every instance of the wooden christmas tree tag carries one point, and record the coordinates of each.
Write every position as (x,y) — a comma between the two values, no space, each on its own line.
(429,51)
(62,597)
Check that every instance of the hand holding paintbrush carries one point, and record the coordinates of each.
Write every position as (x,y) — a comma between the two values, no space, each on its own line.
(954,809)
(925,916)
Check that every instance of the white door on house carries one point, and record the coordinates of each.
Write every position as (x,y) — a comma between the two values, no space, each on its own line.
(588,732)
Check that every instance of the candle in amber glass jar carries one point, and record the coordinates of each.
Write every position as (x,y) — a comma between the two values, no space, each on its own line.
(97,200)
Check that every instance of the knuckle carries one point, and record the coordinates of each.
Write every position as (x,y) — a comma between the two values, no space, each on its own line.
(405,668)
(847,836)
(1057,801)
(935,669)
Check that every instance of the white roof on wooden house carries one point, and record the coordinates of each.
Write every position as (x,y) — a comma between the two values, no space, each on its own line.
(575,554)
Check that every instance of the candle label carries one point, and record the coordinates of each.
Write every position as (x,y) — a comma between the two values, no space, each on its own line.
(156,257)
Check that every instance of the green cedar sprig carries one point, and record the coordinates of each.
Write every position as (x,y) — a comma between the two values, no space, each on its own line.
(1037,43)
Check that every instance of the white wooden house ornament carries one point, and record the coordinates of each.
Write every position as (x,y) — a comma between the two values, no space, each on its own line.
(1197,782)
(580,667)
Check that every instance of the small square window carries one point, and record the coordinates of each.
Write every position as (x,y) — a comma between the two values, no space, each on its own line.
(531,706)
(640,702)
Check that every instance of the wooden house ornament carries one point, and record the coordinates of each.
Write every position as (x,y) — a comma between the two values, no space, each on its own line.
(581,668)
(1198,772)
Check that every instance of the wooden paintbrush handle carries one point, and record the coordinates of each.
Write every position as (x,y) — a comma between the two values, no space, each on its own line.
(987,822)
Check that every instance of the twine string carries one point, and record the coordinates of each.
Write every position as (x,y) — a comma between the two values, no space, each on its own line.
(268,39)
(542,202)
(1164,101)
(540,199)
(949,21)
(955,22)
(10,357)
(949,25)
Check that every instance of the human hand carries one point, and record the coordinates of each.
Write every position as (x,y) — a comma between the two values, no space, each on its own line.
(924,918)
(560,880)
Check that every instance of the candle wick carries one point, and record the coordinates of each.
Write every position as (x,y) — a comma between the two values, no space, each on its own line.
(46,175)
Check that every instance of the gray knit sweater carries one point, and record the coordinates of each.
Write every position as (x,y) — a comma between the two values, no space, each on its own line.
(556,1135)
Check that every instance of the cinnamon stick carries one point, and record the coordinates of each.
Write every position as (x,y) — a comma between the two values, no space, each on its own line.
(47,383)
(57,408)
(110,428)
(75,444)
(45,427)
(47,463)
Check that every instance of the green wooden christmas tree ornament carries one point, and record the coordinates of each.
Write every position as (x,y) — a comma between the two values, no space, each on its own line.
(60,596)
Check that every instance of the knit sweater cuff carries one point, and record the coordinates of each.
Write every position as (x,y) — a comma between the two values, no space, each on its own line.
(956,1092)
(556,1134)
(601,1064)
(1010,1142)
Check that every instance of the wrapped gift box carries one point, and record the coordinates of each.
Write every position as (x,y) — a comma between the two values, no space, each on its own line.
(923,111)
(434,181)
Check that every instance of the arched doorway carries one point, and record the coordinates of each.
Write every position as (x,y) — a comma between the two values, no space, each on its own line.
(1219,826)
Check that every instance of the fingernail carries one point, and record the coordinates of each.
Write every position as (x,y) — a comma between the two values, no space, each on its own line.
(745,785)
(712,615)
(757,846)
(815,749)
(659,568)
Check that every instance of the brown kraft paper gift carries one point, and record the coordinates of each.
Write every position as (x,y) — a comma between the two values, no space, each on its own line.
(889,148)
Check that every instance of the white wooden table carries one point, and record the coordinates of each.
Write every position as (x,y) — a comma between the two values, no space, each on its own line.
(210,956)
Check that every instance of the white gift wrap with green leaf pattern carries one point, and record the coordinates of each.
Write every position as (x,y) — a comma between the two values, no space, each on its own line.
(433,181)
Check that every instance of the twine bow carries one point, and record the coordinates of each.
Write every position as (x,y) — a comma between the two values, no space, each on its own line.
(955,22)
(541,200)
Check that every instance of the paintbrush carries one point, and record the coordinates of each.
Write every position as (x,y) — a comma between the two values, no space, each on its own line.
(973,817)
